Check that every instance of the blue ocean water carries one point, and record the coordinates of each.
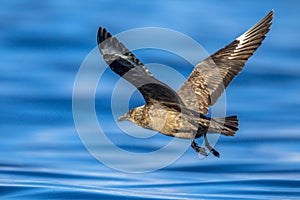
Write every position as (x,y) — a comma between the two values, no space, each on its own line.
(42,45)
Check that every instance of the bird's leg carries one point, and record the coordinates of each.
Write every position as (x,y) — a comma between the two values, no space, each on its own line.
(215,152)
(198,149)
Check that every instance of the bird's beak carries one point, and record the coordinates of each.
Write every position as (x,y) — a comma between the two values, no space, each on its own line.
(122,118)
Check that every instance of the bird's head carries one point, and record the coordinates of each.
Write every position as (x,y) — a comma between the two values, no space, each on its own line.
(133,115)
(125,117)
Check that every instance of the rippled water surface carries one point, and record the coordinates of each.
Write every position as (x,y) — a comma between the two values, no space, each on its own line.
(42,45)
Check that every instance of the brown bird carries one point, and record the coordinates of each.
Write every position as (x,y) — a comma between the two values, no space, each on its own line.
(182,114)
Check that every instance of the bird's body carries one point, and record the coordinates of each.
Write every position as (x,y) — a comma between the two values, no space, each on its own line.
(171,122)
(182,113)
(167,121)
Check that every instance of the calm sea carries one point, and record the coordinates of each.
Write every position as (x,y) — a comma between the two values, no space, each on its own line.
(42,45)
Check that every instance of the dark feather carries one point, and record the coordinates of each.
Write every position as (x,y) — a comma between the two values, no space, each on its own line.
(126,65)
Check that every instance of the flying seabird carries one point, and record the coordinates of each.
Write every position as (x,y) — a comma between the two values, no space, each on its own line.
(174,113)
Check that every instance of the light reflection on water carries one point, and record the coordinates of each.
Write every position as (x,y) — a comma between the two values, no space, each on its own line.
(42,46)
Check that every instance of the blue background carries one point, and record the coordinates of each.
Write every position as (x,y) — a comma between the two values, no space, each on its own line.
(42,44)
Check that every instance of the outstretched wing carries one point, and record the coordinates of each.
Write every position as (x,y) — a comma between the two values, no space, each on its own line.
(210,77)
(126,65)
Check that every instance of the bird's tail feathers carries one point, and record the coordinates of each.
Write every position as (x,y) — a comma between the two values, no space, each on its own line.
(226,126)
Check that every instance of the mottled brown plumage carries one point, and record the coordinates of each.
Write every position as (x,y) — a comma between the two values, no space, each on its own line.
(181,114)
(211,76)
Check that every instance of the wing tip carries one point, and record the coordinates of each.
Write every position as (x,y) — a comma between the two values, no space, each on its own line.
(102,35)
(263,26)
(270,16)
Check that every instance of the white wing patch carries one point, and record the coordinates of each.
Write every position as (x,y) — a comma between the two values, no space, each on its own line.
(242,40)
